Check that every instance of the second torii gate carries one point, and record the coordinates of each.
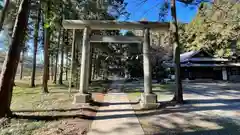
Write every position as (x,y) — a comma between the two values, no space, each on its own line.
(148,98)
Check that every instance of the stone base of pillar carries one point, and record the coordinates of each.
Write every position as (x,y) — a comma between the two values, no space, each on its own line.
(82,98)
(149,101)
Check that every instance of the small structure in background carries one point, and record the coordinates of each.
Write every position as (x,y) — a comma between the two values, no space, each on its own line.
(203,65)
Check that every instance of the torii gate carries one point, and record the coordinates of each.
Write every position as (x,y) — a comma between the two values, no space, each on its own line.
(148,98)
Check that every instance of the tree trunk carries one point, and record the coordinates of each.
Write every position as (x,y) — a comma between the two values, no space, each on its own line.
(52,67)
(178,96)
(97,62)
(46,61)
(4,12)
(77,60)
(12,58)
(46,53)
(56,58)
(90,65)
(94,65)
(72,60)
(66,56)
(36,31)
(21,65)
(66,66)
(60,80)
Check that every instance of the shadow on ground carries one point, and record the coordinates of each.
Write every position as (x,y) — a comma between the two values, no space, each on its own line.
(50,117)
(212,89)
(227,105)
(198,116)
(197,125)
(213,126)
(55,110)
(169,119)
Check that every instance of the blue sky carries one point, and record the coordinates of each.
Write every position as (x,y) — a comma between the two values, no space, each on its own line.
(150,11)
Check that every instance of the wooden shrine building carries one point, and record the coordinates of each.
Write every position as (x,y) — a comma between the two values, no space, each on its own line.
(203,65)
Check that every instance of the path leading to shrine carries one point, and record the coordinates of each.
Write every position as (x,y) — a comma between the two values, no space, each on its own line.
(116,116)
(109,120)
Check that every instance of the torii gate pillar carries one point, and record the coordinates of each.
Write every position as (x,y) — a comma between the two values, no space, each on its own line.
(83,96)
(148,98)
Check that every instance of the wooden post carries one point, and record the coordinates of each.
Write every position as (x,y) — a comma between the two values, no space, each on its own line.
(72,59)
(85,61)
(146,63)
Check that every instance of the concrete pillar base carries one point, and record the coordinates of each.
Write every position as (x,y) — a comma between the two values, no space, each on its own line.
(82,98)
(149,101)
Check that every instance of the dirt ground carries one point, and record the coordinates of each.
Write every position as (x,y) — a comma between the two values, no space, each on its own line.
(72,126)
(49,114)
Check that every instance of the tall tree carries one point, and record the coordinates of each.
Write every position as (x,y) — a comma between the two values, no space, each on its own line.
(4,12)
(72,60)
(51,65)
(66,54)
(66,63)
(12,58)
(46,46)
(60,80)
(179,92)
(90,65)
(21,64)
(178,96)
(56,57)
(215,28)
(35,47)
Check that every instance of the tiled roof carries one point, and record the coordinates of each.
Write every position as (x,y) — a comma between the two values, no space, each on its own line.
(187,55)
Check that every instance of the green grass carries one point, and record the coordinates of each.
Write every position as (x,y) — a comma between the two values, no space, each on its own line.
(163,87)
(33,98)
(164,92)
(134,96)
